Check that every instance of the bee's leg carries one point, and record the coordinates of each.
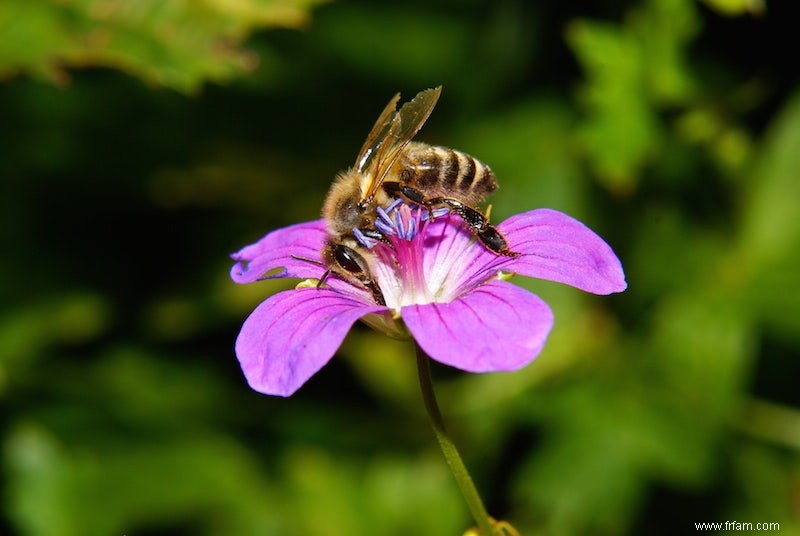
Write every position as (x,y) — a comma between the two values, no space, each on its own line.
(398,189)
(350,261)
(377,295)
(394,188)
(494,241)
(478,224)
(321,280)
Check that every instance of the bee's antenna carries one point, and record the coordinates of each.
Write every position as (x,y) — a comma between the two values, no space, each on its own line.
(306,259)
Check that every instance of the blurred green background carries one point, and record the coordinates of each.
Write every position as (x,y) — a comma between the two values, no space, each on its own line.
(142,141)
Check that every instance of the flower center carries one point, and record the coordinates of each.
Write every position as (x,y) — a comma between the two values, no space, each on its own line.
(404,261)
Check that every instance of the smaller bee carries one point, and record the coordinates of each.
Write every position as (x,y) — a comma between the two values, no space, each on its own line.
(389,166)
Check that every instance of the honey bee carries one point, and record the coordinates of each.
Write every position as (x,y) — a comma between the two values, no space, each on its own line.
(390,166)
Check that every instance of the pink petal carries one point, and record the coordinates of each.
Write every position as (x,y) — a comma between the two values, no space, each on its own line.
(293,334)
(559,248)
(496,327)
(455,262)
(277,251)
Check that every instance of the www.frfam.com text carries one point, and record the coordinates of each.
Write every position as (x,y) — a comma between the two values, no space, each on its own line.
(736,525)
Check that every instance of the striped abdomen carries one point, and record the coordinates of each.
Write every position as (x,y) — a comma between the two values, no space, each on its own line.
(442,172)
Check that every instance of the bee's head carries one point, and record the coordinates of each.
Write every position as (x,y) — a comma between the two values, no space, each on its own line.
(343,209)
(366,205)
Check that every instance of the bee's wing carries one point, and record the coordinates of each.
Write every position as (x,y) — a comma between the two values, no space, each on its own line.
(377,134)
(392,138)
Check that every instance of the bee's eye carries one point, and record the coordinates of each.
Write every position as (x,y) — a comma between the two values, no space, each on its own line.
(348,259)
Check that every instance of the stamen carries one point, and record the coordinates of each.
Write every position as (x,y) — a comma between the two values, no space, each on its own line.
(398,221)
(399,269)
(396,203)
(412,229)
(383,216)
(385,228)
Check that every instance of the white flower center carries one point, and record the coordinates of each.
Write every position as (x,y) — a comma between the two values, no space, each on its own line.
(413,270)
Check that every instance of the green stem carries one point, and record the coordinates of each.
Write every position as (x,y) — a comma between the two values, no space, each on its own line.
(449,450)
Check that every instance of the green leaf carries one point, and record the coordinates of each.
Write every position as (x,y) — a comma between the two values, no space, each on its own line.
(771,220)
(382,496)
(179,44)
(30,330)
(633,70)
(768,252)
(665,29)
(734,8)
(523,144)
(186,482)
(622,131)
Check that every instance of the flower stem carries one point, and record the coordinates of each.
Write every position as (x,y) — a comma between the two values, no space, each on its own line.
(457,467)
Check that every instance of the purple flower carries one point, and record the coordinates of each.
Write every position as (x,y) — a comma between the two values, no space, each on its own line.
(440,285)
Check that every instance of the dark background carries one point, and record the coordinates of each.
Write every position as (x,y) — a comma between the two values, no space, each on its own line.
(142,142)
